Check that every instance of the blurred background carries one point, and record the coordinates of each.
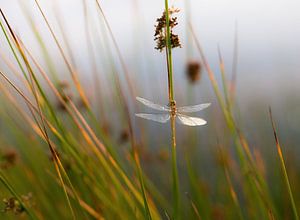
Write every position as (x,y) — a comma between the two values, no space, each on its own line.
(262,35)
(258,40)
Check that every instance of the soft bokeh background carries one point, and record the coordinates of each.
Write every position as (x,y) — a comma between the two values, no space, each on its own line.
(264,33)
(267,38)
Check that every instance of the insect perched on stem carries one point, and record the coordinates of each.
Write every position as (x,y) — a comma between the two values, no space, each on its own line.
(172,111)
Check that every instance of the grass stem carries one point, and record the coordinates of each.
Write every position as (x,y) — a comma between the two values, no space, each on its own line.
(169,54)
(172,102)
(286,178)
(174,171)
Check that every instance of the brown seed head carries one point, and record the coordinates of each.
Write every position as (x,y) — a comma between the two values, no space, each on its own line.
(106,128)
(160,30)
(124,136)
(193,71)
(63,84)
(8,158)
(12,204)
(163,155)
(64,89)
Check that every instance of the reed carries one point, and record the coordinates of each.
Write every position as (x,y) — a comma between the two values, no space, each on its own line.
(172,121)
(283,167)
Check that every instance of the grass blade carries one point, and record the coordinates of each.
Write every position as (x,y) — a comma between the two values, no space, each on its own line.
(282,163)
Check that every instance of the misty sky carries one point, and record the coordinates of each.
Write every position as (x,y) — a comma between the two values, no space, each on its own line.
(268,32)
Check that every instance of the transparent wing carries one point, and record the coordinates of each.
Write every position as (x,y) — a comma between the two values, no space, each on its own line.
(193,108)
(190,121)
(153,105)
(162,118)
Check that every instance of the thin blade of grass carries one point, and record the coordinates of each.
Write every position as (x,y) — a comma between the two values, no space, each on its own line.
(175,179)
(69,66)
(282,163)
(242,146)
(9,186)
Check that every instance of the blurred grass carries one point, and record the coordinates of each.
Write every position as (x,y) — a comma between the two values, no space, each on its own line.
(63,147)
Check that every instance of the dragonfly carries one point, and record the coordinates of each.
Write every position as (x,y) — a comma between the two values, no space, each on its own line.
(172,111)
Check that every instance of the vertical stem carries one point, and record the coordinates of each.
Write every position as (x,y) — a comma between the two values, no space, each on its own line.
(169,53)
(172,104)
(174,171)
(169,79)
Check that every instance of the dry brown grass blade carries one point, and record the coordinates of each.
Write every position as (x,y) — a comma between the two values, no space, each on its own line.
(227,164)
(98,97)
(13,68)
(71,109)
(86,206)
(282,162)
(69,66)
(124,66)
(44,132)
(244,153)
(194,207)
(22,113)
(89,136)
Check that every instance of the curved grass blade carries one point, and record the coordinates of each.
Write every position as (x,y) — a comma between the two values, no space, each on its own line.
(286,178)
(7,184)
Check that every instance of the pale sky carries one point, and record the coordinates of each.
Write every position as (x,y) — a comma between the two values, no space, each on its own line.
(268,31)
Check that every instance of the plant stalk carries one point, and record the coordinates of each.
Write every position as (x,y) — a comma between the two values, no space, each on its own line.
(282,163)
(172,104)
(174,171)
(169,54)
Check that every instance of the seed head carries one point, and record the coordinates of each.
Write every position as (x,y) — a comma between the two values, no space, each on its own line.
(193,71)
(64,89)
(163,155)
(124,136)
(15,206)
(106,128)
(160,30)
(8,158)
(12,204)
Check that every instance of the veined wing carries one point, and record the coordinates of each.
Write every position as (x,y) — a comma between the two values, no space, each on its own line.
(162,118)
(153,105)
(193,108)
(190,121)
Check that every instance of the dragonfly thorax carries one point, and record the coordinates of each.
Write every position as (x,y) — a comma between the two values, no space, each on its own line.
(173,109)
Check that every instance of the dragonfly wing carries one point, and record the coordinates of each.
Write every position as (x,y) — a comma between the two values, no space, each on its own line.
(153,105)
(162,118)
(193,108)
(190,121)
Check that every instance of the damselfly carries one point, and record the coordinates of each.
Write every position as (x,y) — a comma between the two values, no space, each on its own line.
(172,111)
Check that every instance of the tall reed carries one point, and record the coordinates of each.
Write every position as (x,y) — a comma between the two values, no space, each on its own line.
(172,121)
